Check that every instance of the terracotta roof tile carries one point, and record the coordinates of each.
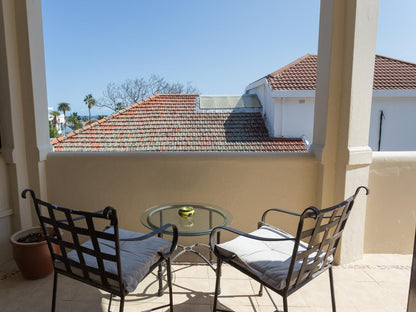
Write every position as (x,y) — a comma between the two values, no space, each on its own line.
(389,74)
(171,123)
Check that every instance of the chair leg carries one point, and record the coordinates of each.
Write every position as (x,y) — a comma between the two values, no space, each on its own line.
(217,284)
(331,282)
(55,282)
(121,304)
(109,303)
(169,277)
(160,279)
(285,307)
(261,290)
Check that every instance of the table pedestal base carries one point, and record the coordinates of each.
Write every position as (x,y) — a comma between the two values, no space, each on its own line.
(191,249)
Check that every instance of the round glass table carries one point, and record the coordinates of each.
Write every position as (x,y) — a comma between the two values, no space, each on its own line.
(204,219)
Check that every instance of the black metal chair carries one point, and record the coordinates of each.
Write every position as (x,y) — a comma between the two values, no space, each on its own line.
(112,259)
(279,261)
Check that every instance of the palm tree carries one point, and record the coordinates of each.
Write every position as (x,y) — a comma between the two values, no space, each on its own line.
(55,115)
(75,121)
(64,107)
(90,102)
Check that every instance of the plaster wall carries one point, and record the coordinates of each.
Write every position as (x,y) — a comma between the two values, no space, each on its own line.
(264,95)
(4,196)
(244,184)
(285,117)
(5,213)
(293,118)
(297,120)
(391,205)
(398,124)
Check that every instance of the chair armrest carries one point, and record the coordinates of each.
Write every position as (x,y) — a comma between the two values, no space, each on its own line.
(155,232)
(226,228)
(263,218)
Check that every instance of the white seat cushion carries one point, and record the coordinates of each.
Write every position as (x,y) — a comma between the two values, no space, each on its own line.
(136,257)
(269,261)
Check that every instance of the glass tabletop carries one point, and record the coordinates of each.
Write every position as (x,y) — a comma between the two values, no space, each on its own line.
(204,218)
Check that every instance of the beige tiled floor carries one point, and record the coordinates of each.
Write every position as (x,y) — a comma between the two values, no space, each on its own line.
(376,283)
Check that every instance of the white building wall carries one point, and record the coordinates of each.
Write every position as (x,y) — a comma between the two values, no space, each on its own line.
(297,118)
(398,125)
(264,93)
(277,117)
(292,114)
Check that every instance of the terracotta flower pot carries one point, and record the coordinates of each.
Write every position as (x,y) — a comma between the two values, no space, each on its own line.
(33,259)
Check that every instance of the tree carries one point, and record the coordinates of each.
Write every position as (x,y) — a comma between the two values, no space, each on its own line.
(55,115)
(64,107)
(119,96)
(84,118)
(53,129)
(111,97)
(53,132)
(75,121)
(90,102)
(119,107)
(75,115)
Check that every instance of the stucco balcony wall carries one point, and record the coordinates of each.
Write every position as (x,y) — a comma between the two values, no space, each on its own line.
(244,184)
(391,206)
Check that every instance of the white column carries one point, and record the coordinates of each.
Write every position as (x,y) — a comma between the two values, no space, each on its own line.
(347,43)
(23,113)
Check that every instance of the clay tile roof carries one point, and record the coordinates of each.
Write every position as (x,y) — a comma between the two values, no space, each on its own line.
(389,74)
(171,123)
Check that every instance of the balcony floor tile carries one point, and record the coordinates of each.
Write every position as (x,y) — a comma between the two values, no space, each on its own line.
(375,283)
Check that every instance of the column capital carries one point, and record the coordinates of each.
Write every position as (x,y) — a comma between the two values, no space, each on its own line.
(359,155)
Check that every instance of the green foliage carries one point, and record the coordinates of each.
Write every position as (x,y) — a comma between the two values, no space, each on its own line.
(53,132)
(55,114)
(119,106)
(101,116)
(84,118)
(90,102)
(74,121)
(76,116)
(64,107)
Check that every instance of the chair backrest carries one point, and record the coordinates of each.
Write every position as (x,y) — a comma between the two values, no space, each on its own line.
(321,230)
(66,230)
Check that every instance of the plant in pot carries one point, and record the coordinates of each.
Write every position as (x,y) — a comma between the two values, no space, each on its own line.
(31,252)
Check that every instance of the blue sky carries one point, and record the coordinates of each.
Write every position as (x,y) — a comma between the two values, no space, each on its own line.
(218,46)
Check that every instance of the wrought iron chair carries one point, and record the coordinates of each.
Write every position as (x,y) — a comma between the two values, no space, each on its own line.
(279,261)
(112,259)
